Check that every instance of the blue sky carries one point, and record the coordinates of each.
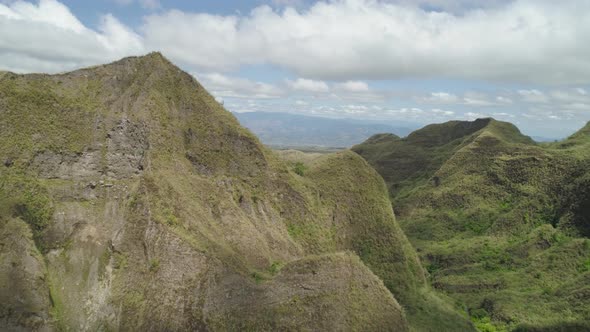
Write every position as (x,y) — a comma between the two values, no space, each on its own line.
(423,61)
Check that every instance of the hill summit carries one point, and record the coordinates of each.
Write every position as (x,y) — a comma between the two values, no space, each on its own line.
(419,155)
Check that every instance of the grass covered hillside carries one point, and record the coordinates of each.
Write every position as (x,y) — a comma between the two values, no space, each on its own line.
(131,200)
(500,222)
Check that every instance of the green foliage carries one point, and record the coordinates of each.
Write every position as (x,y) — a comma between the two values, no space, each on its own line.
(275,267)
(502,222)
(57,308)
(258,277)
(21,195)
(299,168)
(355,196)
(120,261)
(494,258)
(154,264)
(484,324)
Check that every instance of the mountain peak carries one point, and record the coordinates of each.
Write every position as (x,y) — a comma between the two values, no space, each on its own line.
(379,138)
(443,133)
(156,57)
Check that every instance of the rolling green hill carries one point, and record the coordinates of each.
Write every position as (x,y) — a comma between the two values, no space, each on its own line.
(131,200)
(500,222)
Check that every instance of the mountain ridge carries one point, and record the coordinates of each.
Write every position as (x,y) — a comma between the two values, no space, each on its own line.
(145,205)
(490,211)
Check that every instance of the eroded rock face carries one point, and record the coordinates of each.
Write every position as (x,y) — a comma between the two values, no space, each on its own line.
(126,149)
(24,293)
(53,165)
(120,155)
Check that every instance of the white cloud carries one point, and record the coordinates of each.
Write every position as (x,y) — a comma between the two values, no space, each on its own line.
(583,107)
(302,84)
(455,6)
(48,37)
(578,95)
(477,99)
(441,98)
(226,86)
(469,98)
(474,115)
(503,115)
(344,40)
(532,96)
(50,12)
(353,86)
(503,100)
(442,112)
(365,39)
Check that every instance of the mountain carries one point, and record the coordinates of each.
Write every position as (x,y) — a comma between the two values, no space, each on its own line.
(283,129)
(131,200)
(500,222)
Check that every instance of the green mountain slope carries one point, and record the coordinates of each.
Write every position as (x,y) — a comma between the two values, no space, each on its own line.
(499,221)
(131,200)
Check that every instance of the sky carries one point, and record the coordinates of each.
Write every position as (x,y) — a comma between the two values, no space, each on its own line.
(420,61)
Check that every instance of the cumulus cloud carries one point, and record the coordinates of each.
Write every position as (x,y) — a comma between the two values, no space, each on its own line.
(48,37)
(503,100)
(302,84)
(227,86)
(477,99)
(525,40)
(577,95)
(454,6)
(533,96)
(344,40)
(441,98)
(353,86)
(442,112)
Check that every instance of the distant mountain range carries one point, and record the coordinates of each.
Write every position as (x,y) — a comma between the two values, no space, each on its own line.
(283,129)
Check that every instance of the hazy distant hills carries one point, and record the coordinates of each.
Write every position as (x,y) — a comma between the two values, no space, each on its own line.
(299,130)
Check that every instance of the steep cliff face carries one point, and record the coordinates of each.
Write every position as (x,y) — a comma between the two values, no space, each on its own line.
(130,200)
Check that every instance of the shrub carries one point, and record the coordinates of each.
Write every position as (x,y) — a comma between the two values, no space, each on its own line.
(299,168)
(154,265)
